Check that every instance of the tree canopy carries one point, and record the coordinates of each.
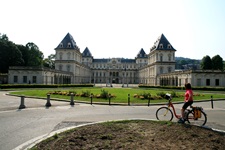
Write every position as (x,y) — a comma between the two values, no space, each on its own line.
(12,54)
(206,63)
(216,63)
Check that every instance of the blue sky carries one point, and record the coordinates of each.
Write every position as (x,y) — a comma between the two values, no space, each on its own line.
(118,28)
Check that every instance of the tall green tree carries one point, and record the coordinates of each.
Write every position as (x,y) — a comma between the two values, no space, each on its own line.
(49,62)
(25,54)
(10,55)
(217,63)
(206,63)
(35,57)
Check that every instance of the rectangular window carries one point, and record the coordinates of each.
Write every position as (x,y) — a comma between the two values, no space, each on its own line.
(217,82)
(161,58)
(207,82)
(34,79)
(199,82)
(24,79)
(15,79)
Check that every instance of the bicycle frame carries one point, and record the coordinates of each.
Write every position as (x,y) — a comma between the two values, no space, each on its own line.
(170,104)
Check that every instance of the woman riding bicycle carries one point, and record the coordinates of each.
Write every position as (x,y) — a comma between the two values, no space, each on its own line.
(188,100)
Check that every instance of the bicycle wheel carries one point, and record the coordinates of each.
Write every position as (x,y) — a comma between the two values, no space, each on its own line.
(196,121)
(164,114)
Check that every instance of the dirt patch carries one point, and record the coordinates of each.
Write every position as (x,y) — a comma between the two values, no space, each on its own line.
(135,134)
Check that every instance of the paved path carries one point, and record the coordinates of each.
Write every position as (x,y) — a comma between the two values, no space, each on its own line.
(20,126)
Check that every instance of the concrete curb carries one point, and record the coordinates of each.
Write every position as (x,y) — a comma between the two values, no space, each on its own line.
(29,144)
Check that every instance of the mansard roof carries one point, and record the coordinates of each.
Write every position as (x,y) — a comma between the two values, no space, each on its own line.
(141,54)
(100,60)
(162,44)
(67,43)
(127,60)
(86,53)
(122,60)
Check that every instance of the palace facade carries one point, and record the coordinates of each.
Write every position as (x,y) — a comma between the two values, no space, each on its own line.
(157,67)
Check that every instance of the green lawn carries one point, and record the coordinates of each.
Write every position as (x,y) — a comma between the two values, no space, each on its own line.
(120,93)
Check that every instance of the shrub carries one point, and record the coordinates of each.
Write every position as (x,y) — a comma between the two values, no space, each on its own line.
(162,94)
(173,94)
(104,94)
(146,95)
(85,93)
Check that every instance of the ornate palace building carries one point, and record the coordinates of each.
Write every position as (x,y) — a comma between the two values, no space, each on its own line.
(155,68)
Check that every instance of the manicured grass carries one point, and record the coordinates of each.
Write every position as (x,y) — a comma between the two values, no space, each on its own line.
(120,93)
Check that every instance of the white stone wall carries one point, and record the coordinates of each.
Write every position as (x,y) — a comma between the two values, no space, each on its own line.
(18,77)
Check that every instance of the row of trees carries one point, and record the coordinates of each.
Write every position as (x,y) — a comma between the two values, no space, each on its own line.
(216,63)
(12,54)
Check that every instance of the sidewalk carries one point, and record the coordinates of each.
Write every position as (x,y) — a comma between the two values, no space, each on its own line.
(36,120)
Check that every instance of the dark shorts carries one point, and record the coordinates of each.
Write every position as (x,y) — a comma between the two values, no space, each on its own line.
(186,104)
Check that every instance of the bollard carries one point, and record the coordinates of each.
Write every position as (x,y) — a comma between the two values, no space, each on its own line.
(22,106)
(148,101)
(71,99)
(129,99)
(109,99)
(48,104)
(212,102)
(91,97)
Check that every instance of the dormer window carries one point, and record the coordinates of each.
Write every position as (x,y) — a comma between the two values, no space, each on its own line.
(61,45)
(69,45)
(169,46)
(161,46)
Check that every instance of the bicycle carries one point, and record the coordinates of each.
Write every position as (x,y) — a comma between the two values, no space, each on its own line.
(194,115)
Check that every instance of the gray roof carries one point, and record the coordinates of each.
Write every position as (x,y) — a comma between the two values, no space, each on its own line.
(101,60)
(122,60)
(141,54)
(67,43)
(127,60)
(86,53)
(162,44)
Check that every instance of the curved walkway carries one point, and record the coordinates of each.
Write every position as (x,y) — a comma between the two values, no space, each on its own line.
(19,126)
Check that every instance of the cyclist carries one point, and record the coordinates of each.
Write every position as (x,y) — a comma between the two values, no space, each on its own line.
(188,100)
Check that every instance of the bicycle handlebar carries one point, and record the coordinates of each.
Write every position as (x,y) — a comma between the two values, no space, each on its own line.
(168,96)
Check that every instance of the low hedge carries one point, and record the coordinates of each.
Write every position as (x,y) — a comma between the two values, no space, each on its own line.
(15,86)
(182,88)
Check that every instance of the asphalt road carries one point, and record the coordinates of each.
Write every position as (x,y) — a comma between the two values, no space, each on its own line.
(19,128)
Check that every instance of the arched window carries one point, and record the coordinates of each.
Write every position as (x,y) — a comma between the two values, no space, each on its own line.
(68,56)
(60,55)
(61,45)
(60,67)
(161,57)
(169,57)
(169,46)
(68,68)
(161,70)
